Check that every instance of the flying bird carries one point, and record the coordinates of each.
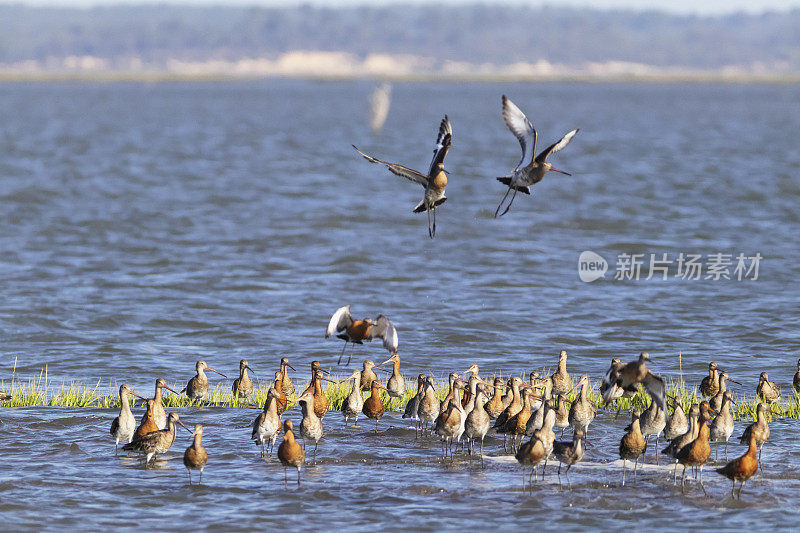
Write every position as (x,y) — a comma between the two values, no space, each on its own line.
(627,376)
(358,331)
(529,170)
(436,179)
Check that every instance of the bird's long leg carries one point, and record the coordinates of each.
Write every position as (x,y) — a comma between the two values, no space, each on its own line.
(501,202)
(656,450)
(430,233)
(342,354)
(623,472)
(434,222)
(509,203)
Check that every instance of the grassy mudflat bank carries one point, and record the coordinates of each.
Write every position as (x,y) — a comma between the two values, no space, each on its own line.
(41,391)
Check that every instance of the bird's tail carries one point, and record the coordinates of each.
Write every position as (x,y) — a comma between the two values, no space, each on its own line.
(506,180)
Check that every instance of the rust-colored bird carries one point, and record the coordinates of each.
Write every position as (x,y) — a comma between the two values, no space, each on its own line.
(195,457)
(760,428)
(742,468)
(629,375)
(360,331)
(373,406)
(159,415)
(436,180)
(290,453)
(494,407)
(280,397)
(197,388)
(148,423)
(697,452)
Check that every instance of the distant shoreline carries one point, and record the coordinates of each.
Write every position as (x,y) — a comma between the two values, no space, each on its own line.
(163,76)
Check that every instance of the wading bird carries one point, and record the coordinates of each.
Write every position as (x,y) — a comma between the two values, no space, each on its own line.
(529,170)
(242,386)
(436,180)
(195,457)
(197,388)
(268,423)
(290,453)
(124,425)
(359,331)
(157,442)
(742,468)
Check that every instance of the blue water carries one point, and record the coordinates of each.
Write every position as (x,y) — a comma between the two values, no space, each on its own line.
(145,226)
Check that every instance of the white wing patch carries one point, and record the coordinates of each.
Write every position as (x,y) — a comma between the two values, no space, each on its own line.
(522,129)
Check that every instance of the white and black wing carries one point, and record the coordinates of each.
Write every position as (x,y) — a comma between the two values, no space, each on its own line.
(608,388)
(442,144)
(341,319)
(384,329)
(399,170)
(657,389)
(522,129)
(555,147)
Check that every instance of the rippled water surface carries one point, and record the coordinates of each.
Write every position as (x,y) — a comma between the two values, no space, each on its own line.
(145,226)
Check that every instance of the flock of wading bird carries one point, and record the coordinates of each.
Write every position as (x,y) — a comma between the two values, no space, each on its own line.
(473,407)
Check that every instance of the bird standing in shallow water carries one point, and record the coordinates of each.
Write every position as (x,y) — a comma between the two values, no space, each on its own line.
(157,442)
(195,457)
(428,406)
(697,452)
(268,423)
(124,425)
(412,406)
(569,453)
(529,171)
(760,429)
(290,453)
(311,426)
(396,385)
(742,468)
(197,388)
(360,331)
(436,180)
(722,425)
(632,445)
(373,406)
(354,403)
